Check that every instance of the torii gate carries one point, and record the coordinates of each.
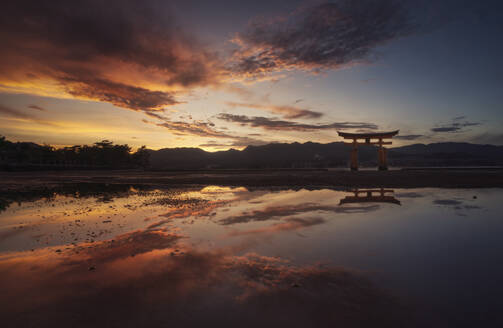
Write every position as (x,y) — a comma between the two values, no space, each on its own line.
(382,152)
(370,197)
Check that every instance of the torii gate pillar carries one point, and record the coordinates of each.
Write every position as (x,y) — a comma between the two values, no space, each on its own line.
(383,158)
(354,157)
(382,161)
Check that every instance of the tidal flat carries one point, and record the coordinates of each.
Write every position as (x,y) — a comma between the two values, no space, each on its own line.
(111,255)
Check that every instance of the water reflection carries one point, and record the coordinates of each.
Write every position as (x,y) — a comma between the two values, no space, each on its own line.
(145,256)
(370,196)
(456,204)
(409,194)
(286,210)
(98,190)
(149,279)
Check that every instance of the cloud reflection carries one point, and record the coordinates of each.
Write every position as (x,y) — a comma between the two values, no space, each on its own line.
(288,225)
(167,283)
(456,204)
(279,211)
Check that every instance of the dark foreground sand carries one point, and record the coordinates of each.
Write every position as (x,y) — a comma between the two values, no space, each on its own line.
(442,178)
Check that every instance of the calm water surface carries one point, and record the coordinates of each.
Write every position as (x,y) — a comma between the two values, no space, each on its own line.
(233,256)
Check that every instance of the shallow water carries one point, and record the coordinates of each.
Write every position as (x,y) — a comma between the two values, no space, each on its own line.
(233,256)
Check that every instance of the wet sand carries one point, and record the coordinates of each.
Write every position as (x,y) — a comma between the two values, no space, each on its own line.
(114,257)
(102,285)
(418,178)
(83,254)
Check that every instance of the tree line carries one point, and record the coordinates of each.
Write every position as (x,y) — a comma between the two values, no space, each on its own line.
(104,154)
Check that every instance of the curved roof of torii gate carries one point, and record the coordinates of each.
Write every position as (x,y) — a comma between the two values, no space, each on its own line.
(348,135)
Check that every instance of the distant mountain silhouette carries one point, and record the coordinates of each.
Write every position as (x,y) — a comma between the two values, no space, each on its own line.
(335,154)
(447,154)
(106,155)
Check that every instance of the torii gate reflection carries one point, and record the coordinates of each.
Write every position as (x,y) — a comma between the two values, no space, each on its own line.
(369,197)
(382,152)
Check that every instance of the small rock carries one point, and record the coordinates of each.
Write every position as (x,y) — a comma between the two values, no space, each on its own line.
(92,268)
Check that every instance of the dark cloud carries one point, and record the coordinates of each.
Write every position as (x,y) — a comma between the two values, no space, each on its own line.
(207,129)
(120,94)
(155,115)
(202,129)
(128,53)
(37,108)
(285,111)
(446,129)
(13,112)
(194,128)
(326,36)
(275,124)
(409,137)
(22,115)
(455,126)
(451,128)
(465,124)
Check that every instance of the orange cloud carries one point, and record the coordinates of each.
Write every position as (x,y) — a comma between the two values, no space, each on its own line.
(128,53)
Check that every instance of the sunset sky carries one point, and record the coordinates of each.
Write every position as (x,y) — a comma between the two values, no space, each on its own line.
(226,74)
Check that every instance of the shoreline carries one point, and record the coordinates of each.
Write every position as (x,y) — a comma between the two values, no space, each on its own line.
(416,178)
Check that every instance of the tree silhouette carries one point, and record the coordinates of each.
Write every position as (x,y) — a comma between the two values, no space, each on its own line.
(103,154)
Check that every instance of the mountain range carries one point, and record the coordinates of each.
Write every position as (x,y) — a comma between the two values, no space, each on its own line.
(335,154)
